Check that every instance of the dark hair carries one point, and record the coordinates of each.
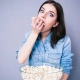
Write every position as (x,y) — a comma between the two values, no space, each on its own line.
(59,31)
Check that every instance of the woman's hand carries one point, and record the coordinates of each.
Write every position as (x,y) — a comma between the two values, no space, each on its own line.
(37,24)
(64,77)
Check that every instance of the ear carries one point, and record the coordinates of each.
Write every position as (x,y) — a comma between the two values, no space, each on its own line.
(56,24)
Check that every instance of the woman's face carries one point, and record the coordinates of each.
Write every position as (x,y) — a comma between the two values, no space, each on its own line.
(49,14)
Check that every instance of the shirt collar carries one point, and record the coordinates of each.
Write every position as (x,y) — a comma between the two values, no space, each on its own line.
(48,38)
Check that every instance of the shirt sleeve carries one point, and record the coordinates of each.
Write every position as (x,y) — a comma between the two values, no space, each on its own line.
(66,61)
(24,40)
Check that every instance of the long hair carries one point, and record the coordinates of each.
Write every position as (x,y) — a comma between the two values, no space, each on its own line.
(59,31)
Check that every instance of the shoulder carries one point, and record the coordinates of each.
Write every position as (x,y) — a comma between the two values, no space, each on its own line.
(64,40)
(67,39)
(67,42)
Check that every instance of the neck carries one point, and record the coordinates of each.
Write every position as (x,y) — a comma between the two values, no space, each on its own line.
(44,35)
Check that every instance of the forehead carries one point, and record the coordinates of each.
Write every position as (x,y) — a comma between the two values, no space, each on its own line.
(49,7)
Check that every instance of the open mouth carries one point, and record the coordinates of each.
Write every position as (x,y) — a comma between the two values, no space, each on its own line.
(43,25)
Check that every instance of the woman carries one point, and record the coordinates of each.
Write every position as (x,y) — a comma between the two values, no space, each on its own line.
(47,43)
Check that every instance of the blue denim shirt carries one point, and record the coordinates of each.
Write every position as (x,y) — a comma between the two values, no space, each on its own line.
(43,53)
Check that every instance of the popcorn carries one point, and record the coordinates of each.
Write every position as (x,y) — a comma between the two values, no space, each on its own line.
(32,18)
(40,73)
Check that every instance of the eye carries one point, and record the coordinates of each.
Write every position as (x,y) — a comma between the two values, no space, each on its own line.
(51,15)
(42,11)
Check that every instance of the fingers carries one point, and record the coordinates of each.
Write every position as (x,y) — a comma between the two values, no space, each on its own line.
(37,21)
(42,19)
(33,19)
(41,26)
(37,24)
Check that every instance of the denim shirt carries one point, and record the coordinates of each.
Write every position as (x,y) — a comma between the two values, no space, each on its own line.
(44,54)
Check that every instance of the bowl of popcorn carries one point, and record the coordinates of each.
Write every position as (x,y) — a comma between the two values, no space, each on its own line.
(40,73)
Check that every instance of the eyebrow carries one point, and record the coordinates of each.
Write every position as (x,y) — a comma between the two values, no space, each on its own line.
(49,11)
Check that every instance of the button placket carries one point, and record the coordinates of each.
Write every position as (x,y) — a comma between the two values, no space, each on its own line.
(44,51)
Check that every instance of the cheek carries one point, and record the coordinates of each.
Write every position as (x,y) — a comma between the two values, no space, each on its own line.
(39,15)
(50,22)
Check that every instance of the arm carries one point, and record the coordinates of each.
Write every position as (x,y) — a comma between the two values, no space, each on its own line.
(64,77)
(66,61)
(26,49)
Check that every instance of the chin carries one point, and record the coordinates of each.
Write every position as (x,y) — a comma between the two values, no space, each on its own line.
(43,31)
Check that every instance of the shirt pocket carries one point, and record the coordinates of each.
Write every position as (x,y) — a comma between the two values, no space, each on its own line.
(35,56)
(54,58)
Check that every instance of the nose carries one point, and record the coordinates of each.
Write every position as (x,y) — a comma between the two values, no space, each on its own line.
(43,15)
(42,18)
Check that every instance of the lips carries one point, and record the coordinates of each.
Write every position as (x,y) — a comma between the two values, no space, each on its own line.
(43,25)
